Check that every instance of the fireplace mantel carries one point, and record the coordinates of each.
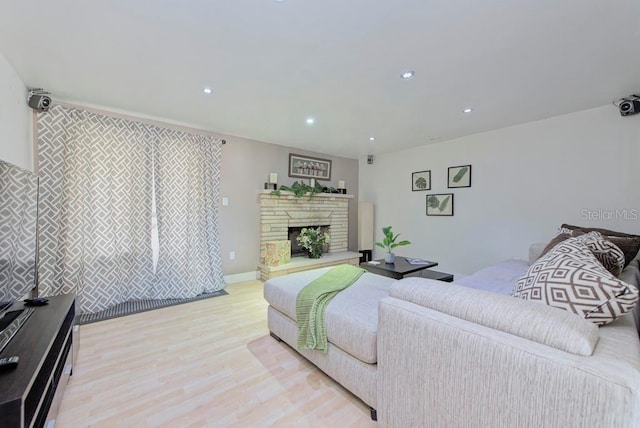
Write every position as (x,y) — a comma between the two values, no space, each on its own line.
(286,193)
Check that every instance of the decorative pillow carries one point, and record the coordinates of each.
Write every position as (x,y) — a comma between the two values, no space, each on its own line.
(607,253)
(569,277)
(555,241)
(629,244)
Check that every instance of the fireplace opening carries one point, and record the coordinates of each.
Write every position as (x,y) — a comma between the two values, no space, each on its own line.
(296,249)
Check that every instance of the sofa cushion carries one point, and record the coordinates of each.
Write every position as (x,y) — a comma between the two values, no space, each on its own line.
(498,278)
(351,318)
(570,277)
(629,244)
(539,323)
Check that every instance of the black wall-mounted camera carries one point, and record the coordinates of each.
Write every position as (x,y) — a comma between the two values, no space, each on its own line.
(629,107)
(39,99)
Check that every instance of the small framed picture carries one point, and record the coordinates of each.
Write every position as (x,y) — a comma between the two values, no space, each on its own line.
(459,176)
(309,167)
(440,204)
(421,181)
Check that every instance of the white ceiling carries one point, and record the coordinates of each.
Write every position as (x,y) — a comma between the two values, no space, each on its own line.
(272,64)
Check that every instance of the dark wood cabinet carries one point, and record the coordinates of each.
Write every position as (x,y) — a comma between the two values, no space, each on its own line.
(31,393)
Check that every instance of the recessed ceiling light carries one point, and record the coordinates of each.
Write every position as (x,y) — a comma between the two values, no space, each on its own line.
(310,121)
(467,110)
(207,90)
(406,75)
(372,138)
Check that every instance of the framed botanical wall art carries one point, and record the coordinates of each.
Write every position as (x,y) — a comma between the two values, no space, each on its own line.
(421,180)
(459,176)
(440,204)
(309,167)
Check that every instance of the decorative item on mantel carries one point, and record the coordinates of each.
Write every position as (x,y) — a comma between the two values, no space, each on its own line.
(342,187)
(277,253)
(273,181)
(299,189)
(313,240)
(389,243)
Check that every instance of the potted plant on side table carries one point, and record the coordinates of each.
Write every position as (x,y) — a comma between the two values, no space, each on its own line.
(389,243)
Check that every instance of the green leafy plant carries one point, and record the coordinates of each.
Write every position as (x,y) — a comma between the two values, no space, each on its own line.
(460,174)
(313,240)
(299,189)
(421,183)
(444,203)
(389,241)
(435,203)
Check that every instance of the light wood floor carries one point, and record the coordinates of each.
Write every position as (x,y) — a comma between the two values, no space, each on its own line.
(210,363)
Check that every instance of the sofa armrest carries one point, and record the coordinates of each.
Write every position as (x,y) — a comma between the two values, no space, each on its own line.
(535,250)
(439,370)
(531,320)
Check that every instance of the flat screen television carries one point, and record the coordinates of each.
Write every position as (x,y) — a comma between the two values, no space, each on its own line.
(18,235)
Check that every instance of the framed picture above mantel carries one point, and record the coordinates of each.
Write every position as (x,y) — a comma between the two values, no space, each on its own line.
(309,167)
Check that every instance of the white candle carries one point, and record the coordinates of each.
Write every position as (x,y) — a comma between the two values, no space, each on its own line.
(273,178)
(341,184)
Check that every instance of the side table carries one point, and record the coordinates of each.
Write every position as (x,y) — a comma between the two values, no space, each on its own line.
(438,276)
(398,270)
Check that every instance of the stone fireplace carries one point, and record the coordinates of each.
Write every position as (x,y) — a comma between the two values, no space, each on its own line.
(279,213)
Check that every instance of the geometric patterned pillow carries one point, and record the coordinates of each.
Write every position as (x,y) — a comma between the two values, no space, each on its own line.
(569,277)
(607,253)
(629,244)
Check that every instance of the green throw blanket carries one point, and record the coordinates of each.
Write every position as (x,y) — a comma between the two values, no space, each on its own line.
(312,301)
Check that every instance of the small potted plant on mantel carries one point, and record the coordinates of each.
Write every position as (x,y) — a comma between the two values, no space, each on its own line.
(389,243)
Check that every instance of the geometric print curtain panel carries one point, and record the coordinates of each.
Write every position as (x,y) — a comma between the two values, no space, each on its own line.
(96,192)
(187,183)
(18,214)
(95,212)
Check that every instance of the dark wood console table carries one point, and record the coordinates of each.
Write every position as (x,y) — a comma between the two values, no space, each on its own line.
(31,393)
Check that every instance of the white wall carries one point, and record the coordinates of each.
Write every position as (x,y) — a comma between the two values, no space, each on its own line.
(526,181)
(16,145)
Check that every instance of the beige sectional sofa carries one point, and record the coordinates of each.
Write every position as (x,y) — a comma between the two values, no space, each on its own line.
(425,353)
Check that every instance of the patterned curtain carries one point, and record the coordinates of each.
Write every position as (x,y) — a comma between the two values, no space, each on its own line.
(98,178)
(187,172)
(18,214)
(95,212)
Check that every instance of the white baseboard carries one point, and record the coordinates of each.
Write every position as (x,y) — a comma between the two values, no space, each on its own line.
(242,277)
